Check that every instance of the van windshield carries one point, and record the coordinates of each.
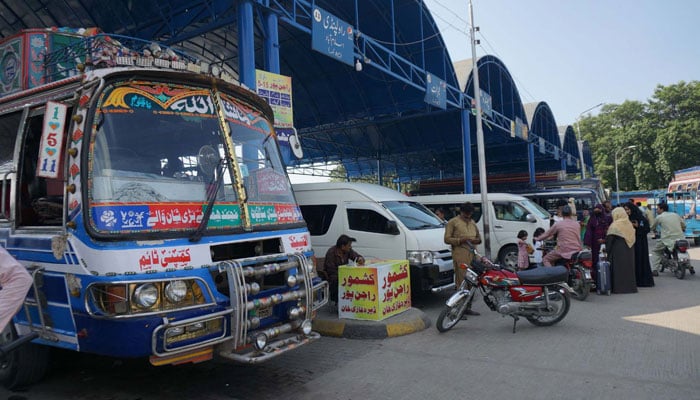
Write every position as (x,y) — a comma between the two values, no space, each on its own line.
(413,215)
(536,209)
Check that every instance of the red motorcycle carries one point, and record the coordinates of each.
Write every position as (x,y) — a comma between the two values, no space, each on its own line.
(579,265)
(541,295)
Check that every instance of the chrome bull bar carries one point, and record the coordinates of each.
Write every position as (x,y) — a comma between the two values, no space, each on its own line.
(281,337)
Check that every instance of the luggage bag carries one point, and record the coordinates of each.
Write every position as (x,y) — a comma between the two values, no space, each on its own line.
(603,284)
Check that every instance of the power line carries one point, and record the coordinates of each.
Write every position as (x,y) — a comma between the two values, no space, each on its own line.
(490,50)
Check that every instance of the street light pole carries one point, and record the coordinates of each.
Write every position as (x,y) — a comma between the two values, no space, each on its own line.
(580,139)
(617,180)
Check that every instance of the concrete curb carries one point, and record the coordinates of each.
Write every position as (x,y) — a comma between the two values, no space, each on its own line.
(410,321)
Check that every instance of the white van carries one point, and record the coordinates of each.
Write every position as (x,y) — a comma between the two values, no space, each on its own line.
(550,199)
(386,224)
(508,214)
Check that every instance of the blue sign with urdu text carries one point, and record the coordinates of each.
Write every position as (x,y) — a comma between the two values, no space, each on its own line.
(435,91)
(486,107)
(332,36)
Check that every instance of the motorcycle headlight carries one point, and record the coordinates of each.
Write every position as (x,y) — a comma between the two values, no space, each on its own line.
(471,276)
(146,295)
(420,257)
(175,291)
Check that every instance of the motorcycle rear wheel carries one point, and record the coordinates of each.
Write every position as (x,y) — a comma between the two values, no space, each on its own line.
(579,284)
(562,303)
(449,316)
(679,272)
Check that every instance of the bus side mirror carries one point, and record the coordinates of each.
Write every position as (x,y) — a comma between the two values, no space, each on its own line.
(392,228)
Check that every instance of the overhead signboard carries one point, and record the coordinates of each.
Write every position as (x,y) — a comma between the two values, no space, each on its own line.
(332,36)
(277,90)
(435,91)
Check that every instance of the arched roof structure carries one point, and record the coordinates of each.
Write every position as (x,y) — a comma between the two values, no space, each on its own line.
(372,120)
(504,152)
(543,125)
(569,145)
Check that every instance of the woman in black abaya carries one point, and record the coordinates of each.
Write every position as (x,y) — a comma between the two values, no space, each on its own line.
(641,245)
(620,245)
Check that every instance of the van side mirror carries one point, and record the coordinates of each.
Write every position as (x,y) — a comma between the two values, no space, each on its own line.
(391,228)
(530,218)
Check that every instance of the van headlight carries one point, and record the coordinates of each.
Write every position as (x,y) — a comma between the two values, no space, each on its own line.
(419,257)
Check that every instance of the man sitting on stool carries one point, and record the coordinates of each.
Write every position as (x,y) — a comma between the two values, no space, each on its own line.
(338,255)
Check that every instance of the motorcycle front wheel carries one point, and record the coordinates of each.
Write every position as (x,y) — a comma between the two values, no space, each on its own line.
(449,316)
(560,302)
(579,284)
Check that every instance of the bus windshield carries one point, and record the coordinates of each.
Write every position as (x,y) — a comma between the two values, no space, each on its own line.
(158,150)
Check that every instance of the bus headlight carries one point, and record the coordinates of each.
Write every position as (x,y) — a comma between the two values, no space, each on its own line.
(146,295)
(306,326)
(260,341)
(176,291)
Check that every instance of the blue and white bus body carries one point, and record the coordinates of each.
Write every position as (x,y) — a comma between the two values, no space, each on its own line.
(153,210)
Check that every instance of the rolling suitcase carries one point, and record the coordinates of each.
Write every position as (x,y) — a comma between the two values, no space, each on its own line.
(603,284)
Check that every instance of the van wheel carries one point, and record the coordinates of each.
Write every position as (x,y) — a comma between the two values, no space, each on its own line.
(508,256)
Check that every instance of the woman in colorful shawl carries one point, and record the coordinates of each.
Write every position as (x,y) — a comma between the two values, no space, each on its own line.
(620,246)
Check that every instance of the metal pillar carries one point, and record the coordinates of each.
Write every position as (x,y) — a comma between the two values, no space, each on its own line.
(272,45)
(480,141)
(531,162)
(467,151)
(246,44)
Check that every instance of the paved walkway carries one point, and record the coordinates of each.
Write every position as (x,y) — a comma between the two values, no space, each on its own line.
(413,320)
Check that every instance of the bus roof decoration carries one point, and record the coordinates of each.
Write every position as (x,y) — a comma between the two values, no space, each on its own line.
(35,57)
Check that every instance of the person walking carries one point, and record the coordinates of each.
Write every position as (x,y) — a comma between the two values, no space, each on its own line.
(619,243)
(459,231)
(15,282)
(672,228)
(641,226)
(568,233)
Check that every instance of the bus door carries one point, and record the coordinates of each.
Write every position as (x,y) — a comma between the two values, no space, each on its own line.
(39,239)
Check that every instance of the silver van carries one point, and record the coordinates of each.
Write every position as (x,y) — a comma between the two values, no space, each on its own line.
(508,215)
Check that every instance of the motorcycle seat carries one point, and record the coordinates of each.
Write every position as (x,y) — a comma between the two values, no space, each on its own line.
(543,275)
(584,254)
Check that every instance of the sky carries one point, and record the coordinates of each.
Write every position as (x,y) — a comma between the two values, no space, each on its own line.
(575,54)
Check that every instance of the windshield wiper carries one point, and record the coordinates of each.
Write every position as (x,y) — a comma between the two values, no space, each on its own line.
(212,192)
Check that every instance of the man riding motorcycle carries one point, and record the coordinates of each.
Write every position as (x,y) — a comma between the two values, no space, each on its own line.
(568,233)
(672,228)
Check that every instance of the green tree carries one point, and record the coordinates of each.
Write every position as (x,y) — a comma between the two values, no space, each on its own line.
(665,130)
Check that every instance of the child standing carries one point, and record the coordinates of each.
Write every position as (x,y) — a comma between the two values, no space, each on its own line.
(538,246)
(524,251)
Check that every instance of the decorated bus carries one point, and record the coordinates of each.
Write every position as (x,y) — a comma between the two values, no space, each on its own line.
(149,201)
(682,197)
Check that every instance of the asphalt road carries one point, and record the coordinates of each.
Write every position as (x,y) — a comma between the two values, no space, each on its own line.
(639,346)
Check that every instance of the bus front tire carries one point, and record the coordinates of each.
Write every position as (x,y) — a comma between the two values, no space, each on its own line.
(23,366)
